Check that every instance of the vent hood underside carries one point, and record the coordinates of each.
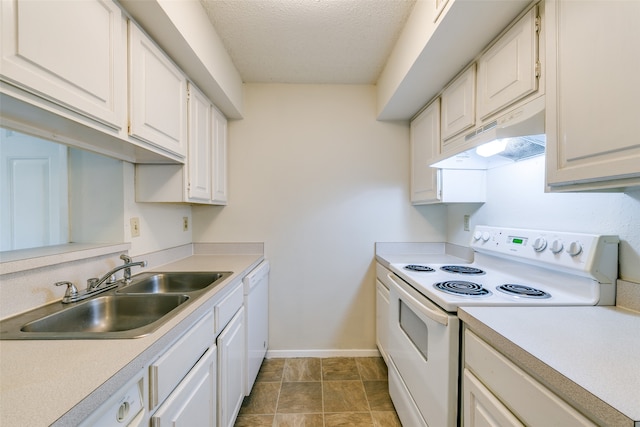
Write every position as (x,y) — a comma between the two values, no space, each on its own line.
(516,135)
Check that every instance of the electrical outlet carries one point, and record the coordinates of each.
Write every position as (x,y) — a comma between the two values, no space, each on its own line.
(135,226)
(185,223)
(466,223)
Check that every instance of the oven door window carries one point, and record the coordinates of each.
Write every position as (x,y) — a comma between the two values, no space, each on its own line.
(415,328)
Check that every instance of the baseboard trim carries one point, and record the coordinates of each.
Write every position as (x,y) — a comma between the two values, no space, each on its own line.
(277,354)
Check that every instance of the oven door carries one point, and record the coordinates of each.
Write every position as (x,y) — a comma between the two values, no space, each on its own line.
(423,349)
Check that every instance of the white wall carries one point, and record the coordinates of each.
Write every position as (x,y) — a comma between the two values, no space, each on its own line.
(516,198)
(319,180)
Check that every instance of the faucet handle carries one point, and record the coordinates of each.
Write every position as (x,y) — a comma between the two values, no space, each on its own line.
(71,291)
(126,258)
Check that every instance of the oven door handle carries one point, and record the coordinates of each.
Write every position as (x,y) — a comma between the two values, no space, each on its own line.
(434,315)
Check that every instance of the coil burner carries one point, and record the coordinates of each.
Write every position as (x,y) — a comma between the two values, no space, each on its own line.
(416,267)
(522,291)
(461,269)
(462,288)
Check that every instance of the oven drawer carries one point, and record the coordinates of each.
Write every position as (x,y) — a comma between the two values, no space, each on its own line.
(526,398)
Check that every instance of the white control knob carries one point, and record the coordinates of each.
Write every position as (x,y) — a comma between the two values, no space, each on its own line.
(539,244)
(575,248)
(557,246)
(477,235)
(485,236)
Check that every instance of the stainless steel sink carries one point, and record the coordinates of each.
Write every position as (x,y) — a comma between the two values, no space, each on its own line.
(156,283)
(111,313)
(130,311)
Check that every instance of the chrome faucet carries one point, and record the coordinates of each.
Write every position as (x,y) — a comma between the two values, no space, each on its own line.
(110,276)
(95,285)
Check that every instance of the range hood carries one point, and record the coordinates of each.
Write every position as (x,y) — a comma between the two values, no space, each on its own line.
(516,135)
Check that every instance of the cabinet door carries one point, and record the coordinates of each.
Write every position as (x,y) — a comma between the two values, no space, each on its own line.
(459,105)
(231,353)
(70,53)
(507,71)
(425,145)
(481,408)
(200,139)
(593,101)
(193,402)
(219,161)
(157,96)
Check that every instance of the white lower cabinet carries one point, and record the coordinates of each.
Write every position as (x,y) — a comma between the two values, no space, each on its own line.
(382,319)
(231,366)
(193,402)
(174,364)
(496,392)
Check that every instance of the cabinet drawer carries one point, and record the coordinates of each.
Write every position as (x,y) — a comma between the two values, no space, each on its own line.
(167,371)
(529,400)
(226,308)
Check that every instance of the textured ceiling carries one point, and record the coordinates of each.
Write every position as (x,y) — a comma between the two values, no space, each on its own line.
(309,41)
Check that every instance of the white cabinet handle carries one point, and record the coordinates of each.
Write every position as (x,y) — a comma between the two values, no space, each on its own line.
(432,313)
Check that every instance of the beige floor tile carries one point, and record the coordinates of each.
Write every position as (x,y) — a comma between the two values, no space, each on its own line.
(262,400)
(339,368)
(344,396)
(271,370)
(378,395)
(254,421)
(299,420)
(313,392)
(302,369)
(372,368)
(348,419)
(300,397)
(385,419)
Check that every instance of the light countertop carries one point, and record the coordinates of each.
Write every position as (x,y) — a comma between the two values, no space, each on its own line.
(61,382)
(587,355)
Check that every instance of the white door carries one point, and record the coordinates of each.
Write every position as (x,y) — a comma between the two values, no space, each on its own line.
(219,161)
(199,163)
(33,192)
(231,349)
(425,145)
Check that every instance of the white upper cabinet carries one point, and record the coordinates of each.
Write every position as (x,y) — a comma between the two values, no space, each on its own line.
(425,145)
(508,71)
(157,95)
(76,63)
(459,105)
(219,161)
(203,178)
(593,99)
(200,138)
(431,185)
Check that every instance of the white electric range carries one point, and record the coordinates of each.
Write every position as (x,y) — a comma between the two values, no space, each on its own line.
(511,267)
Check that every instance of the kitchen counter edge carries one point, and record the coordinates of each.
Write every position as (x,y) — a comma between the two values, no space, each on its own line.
(482,321)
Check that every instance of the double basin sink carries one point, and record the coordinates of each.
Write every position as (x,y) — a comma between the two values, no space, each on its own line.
(129,311)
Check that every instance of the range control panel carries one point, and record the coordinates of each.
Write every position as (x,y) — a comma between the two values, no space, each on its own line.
(593,254)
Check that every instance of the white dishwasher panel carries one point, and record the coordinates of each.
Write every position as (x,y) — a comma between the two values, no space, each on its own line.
(256,302)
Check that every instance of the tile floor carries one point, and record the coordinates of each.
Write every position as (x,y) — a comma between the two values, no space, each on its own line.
(314,392)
